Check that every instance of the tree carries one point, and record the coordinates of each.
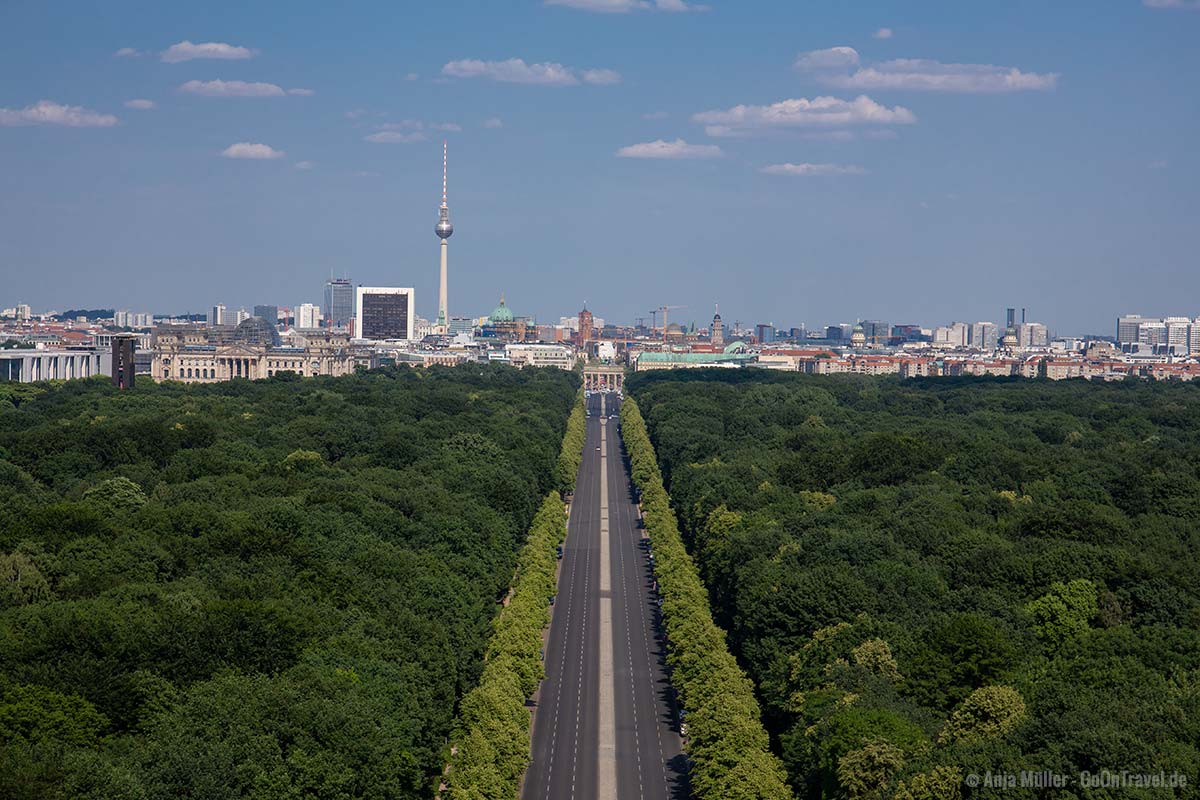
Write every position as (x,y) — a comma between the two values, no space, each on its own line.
(1064,612)
(988,713)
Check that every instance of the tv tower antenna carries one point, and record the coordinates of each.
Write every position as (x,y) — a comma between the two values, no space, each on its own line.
(444,230)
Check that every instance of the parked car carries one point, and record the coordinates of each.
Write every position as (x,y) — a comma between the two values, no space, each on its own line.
(551,599)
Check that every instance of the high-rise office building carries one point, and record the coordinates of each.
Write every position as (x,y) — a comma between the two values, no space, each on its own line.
(217,315)
(985,336)
(269,313)
(1177,335)
(877,332)
(956,334)
(765,332)
(308,316)
(1032,334)
(339,302)
(1128,328)
(384,313)
(241,316)
(124,368)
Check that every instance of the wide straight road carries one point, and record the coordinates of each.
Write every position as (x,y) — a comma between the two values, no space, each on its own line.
(605,724)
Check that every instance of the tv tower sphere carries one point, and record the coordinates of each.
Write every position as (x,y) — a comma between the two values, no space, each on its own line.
(444,229)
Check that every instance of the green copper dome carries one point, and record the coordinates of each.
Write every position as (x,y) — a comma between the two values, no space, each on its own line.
(501,313)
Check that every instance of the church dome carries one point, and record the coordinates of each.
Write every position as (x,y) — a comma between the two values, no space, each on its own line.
(858,338)
(501,314)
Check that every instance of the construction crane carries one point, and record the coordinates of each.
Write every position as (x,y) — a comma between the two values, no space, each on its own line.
(641,321)
(664,310)
(653,320)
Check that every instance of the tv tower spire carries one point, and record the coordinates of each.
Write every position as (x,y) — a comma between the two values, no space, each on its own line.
(444,229)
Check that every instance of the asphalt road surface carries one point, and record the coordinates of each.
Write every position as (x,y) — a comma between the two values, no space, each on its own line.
(605,724)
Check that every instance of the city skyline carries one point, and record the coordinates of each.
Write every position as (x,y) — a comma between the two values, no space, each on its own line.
(175,158)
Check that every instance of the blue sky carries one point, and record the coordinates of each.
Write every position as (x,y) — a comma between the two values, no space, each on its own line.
(964,157)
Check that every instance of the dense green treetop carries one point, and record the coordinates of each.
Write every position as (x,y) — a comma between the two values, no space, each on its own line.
(273,589)
(930,578)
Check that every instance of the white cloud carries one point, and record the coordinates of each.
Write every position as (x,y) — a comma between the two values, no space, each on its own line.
(493,122)
(186,51)
(139,104)
(601,77)
(1189,4)
(251,150)
(819,112)
(833,66)
(514,70)
(829,58)
(394,137)
(883,33)
(126,52)
(677,149)
(301,92)
(47,112)
(304,165)
(808,170)
(232,89)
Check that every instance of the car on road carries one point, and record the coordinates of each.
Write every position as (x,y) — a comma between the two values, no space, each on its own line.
(597,449)
(558,551)
(551,599)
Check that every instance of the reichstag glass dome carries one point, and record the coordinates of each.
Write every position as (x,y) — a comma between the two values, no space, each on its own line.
(256,332)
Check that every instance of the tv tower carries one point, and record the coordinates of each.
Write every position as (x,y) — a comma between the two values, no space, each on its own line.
(444,229)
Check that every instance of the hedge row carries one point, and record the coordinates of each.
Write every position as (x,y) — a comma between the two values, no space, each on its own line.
(727,744)
(571,455)
(491,737)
